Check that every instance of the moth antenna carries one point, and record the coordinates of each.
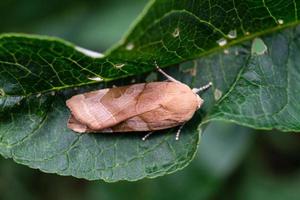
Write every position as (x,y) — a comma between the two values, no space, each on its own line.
(179,131)
(196,90)
(147,135)
(165,74)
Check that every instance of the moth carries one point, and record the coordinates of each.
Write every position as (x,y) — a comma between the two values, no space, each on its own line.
(138,107)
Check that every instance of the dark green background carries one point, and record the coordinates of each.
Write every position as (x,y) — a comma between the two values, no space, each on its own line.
(232,163)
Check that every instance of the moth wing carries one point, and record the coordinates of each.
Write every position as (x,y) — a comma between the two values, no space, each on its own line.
(139,107)
(143,122)
(132,124)
(153,120)
(82,108)
(76,126)
(175,105)
(105,108)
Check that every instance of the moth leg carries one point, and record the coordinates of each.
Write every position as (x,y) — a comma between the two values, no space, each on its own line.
(196,90)
(147,135)
(165,74)
(179,131)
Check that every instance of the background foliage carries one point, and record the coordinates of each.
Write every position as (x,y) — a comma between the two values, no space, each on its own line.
(231,163)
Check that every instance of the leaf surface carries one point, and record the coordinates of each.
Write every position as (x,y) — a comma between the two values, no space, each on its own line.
(266,92)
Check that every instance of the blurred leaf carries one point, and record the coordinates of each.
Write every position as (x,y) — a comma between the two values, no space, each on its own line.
(93,24)
(13,177)
(223,148)
(259,182)
(34,185)
(35,71)
(97,25)
(287,143)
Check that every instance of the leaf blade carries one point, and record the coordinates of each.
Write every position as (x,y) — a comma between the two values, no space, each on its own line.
(268,86)
(37,136)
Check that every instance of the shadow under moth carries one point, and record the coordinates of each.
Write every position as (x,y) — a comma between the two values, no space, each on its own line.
(138,107)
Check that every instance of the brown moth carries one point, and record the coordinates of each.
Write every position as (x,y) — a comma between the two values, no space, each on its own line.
(138,107)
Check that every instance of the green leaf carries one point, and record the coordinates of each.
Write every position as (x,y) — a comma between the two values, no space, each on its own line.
(266,92)
(270,172)
(37,75)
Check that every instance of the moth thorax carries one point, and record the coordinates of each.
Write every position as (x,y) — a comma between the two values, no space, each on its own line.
(199,101)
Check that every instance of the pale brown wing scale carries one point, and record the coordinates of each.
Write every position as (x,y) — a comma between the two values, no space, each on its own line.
(138,107)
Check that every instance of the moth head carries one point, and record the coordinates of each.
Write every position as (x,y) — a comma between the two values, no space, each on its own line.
(196,90)
(199,100)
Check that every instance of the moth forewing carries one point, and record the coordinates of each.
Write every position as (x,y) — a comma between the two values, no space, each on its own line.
(138,107)
(141,107)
